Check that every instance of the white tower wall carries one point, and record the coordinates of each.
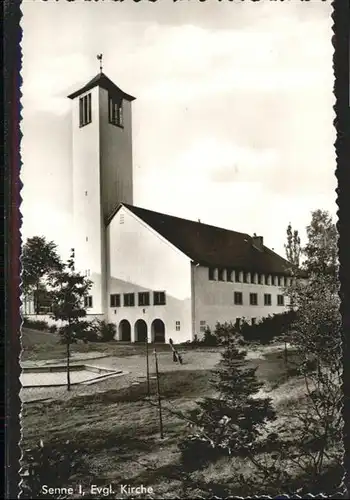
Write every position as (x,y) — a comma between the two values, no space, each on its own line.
(102,178)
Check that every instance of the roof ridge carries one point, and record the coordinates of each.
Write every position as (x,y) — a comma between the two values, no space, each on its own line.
(209,245)
(186,220)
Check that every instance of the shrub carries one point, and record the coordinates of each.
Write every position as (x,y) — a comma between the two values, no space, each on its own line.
(95,331)
(268,329)
(53,328)
(106,331)
(88,331)
(210,339)
(222,332)
(49,464)
(35,324)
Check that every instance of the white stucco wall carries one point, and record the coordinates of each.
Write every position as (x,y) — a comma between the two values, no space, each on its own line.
(102,178)
(214,301)
(116,157)
(87,214)
(140,260)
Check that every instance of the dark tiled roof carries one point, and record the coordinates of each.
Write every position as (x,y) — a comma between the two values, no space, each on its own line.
(103,81)
(212,246)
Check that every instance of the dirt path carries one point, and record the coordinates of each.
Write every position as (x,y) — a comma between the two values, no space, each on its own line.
(134,368)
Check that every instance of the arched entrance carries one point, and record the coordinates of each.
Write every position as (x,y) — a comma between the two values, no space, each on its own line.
(158,331)
(124,331)
(140,331)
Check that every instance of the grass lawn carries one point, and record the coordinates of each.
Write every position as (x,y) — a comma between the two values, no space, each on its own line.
(39,345)
(116,433)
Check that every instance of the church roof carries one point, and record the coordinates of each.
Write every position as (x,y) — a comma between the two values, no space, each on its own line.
(213,246)
(103,81)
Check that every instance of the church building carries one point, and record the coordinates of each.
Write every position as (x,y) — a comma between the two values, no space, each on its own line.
(154,275)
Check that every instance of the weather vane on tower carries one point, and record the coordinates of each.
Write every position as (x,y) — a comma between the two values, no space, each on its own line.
(99,57)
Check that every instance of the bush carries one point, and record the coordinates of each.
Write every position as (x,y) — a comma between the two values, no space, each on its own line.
(197,454)
(35,324)
(268,329)
(210,339)
(49,464)
(96,331)
(219,336)
(106,331)
(53,328)
(88,331)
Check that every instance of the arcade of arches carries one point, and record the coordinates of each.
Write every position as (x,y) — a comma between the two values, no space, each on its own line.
(156,333)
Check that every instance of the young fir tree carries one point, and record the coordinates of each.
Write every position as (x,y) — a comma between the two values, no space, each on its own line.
(68,292)
(232,420)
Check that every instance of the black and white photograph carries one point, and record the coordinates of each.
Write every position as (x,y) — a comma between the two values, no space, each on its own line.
(181,330)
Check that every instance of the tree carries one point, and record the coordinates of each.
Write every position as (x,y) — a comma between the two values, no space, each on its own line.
(39,260)
(232,421)
(293,246)
(316,335)
(321,250)
(68,292)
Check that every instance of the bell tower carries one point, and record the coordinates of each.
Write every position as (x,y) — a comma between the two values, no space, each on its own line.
(102,174)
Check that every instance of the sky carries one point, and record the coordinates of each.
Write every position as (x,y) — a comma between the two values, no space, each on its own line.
(233,118)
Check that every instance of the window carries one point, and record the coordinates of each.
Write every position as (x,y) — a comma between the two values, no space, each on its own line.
(129,299)
(202,326)
(220,275)
(115,113)
(121,219)
(88,302)
(267,299)
(211,274)
(237,277)
(253,321)
(159,298)
(85,193)
(260,279)
(115,300)
(177,326)
(238,298)
(229,275)
(86,239)
(253,299)
(143,298)
(245,277)
(85,110)
(279,281)
(280,300)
